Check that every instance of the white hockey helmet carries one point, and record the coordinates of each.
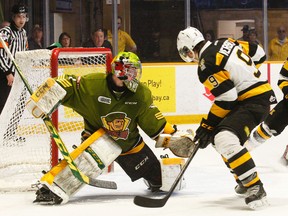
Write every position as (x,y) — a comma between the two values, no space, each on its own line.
(186,41)
(127,67)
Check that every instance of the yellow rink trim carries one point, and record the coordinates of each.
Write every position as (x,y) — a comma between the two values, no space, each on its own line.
(185,119)
(79,125)
(41,128)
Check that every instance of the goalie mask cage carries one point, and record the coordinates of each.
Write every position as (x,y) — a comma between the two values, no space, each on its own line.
(26,148)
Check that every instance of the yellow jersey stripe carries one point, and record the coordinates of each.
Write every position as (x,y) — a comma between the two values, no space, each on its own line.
(255,91)
(218,111)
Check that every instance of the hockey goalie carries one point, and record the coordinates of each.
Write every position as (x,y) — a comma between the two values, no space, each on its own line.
(114,106)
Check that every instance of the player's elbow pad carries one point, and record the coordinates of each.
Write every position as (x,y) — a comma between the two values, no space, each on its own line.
(45,99)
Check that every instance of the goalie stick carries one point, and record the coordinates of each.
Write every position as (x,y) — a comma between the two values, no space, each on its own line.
(56,137)
(151,202)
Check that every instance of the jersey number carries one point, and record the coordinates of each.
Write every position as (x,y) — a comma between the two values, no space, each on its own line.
(241,55)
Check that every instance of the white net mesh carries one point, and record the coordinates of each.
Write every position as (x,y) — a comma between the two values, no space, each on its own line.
(25,144)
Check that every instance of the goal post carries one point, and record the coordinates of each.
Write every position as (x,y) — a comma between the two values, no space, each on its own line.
(100,63)
(25,144)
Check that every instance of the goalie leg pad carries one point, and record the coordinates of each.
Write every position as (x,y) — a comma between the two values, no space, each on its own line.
(61,177)
(170,168)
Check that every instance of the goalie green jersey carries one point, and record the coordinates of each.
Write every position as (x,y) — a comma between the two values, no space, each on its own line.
(119,114)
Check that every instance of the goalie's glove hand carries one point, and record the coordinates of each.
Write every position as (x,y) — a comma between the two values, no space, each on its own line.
(180,143)
(204,134)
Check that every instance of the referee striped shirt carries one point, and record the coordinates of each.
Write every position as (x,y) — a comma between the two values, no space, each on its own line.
(16,41)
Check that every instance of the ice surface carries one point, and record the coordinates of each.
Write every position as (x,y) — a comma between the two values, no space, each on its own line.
(209,190)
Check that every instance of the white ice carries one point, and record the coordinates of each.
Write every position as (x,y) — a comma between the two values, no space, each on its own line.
(209,190)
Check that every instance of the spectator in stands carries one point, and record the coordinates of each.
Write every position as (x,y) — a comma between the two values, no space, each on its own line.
(65,40)
(151,50)
(245,31)
(98,40)
(36,39)
(209,35)
(253,37)
(125,42)
(278,46)
(4,24)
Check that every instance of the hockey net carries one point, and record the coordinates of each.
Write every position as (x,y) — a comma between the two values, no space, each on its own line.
(26,148)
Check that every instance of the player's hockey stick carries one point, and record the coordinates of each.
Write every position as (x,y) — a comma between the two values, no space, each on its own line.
(55,135)
(160,202)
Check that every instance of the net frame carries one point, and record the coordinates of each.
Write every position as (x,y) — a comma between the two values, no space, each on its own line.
(53,63)
(54,72)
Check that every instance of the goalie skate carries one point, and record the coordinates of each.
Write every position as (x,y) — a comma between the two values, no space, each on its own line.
(45,196)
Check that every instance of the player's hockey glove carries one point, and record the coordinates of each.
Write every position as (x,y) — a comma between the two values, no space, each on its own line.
(204,134)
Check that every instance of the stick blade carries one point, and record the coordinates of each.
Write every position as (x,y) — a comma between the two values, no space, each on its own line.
(102,184)
(149,202)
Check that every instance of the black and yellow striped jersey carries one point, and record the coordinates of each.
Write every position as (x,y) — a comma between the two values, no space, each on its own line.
(231,76)
(283,79)
(256,52)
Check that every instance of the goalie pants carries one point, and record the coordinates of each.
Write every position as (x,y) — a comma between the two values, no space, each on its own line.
(140,164)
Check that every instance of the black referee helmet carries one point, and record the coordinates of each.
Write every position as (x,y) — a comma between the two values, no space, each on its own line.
(19,8)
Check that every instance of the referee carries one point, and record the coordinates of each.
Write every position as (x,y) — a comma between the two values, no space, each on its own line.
(16,38)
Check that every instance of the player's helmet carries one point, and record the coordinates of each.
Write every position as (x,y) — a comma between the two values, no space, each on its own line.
(187,41)
(19,8)
(127,67)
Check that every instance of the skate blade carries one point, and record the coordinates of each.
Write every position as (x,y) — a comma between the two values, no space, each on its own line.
(258,204)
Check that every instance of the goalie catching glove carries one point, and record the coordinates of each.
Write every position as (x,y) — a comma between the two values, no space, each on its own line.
(180,143)
(45,99)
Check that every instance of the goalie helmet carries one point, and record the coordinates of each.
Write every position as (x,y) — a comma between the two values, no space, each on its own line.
(127,67)
(187,40)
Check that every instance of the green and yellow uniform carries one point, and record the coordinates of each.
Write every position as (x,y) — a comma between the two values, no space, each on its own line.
(93,98)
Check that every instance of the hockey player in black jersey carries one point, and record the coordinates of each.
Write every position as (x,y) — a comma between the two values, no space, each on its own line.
(242,101)
(277,120)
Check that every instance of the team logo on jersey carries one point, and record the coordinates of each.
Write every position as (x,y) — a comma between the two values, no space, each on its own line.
(105,100)
(116,125)
(202,64)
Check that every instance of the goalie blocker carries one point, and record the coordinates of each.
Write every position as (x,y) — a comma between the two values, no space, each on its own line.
(45,99)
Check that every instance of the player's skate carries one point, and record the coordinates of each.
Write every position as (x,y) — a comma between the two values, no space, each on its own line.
(256,197)
(240,189)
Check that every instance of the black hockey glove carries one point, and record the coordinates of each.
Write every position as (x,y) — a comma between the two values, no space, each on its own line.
(204,134)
